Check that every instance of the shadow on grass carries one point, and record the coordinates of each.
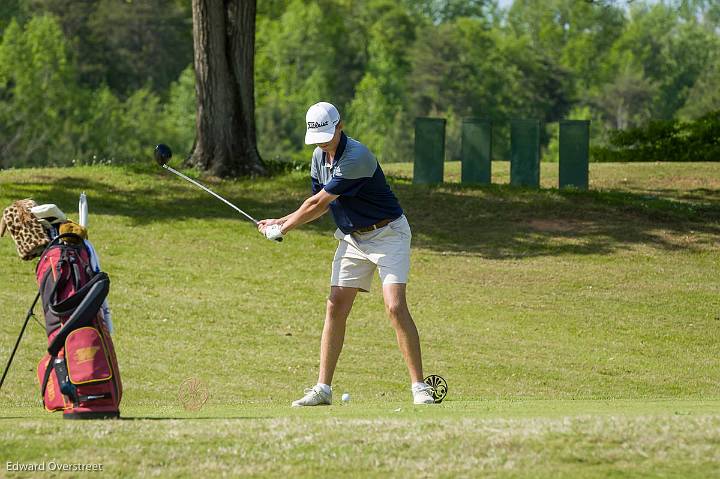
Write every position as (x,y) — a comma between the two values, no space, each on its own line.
(496,221)
(501,221)
(700,195)
(168,199)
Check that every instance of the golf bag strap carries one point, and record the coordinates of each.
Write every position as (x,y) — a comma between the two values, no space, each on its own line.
(83,314)
(69,304)
(50,299)
(76,277)
(57,240)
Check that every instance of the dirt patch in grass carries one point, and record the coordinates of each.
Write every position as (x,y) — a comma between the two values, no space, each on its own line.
(560,226)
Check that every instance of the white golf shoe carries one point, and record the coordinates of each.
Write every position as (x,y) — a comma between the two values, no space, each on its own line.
(314,396)
(423,395)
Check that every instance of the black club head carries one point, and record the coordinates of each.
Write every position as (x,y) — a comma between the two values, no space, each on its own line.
(163,153)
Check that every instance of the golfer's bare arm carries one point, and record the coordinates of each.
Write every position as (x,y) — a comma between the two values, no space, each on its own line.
(311,209)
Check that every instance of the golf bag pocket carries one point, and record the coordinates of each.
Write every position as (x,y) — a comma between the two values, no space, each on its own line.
(81,380)
(53,398)
(86,356)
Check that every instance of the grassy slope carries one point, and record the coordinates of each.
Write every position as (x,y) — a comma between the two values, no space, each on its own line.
(578,331)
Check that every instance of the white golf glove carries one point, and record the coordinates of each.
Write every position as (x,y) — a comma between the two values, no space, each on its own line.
(274,232)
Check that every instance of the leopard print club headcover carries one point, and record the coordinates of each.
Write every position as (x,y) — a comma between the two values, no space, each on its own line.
(29,235)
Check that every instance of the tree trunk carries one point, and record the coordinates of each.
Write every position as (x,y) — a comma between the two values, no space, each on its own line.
(224,41)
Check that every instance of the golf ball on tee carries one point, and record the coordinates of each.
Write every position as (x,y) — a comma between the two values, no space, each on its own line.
(345,397)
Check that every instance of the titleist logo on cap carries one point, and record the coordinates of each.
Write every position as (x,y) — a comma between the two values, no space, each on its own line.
(321,119)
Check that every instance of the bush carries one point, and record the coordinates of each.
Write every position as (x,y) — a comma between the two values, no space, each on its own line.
(665,140)
(278,167)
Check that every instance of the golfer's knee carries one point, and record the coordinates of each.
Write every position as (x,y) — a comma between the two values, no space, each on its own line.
(397,312)
(339,302)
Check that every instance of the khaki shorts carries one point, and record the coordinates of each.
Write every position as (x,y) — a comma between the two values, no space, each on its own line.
(358,255)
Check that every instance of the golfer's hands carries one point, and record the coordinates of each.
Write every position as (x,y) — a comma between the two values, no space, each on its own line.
(262,224)
(271,229)
(274,232)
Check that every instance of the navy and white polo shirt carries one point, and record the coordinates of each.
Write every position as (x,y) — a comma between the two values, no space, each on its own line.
(364,195)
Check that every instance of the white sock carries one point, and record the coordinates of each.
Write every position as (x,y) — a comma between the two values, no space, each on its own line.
(325,388)
(418,385)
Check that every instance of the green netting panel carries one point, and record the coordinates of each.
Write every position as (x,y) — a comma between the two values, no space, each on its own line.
(476,151)
(525,153)
(574,153)
(429,150)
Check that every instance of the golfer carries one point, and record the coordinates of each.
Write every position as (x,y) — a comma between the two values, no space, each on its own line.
(373,235)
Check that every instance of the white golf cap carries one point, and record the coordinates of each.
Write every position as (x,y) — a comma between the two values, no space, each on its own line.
(321,118)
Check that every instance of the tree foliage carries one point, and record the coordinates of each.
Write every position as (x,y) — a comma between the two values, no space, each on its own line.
(36,82)
(126,45)
(102,80)
(49,118)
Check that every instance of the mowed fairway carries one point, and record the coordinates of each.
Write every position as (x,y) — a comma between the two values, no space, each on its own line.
(579,332)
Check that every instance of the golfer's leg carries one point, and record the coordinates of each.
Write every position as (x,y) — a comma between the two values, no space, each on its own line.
(339,305)
(405,330)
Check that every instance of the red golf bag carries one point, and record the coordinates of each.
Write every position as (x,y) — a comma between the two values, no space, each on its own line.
(79,374)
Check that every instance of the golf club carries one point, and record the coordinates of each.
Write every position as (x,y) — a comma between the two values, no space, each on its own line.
(163,153)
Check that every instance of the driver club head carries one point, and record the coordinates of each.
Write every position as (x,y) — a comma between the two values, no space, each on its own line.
(163,153)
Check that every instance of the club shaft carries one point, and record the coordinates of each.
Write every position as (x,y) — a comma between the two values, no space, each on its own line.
(211,192)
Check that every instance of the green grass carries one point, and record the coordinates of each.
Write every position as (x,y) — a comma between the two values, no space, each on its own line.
(578,331)
(480,438)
